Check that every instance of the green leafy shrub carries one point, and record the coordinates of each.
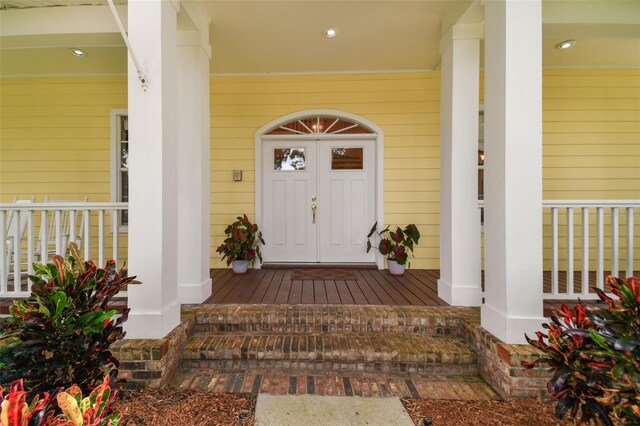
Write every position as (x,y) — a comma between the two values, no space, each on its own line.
(595,355)
(94,410)
(61,334)
(395,245)
(242,241)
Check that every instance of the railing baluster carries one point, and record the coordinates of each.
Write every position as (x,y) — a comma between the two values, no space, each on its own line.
(85,234)
(116,235)
(16,252)
(30,248)
(554,250)
(44,237)
(58,223)
(585,250)
(570,250)
(600,247)
(4,265)
(72,226)
(629,242)
(100,238)
(615,241)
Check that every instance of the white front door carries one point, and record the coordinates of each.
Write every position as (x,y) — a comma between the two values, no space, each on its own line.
(346,206)
(319,200)
(290,176)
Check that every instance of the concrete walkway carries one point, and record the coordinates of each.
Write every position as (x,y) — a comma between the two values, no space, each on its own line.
(307,410)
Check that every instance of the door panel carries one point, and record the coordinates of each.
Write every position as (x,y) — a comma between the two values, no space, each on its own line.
(289,173)
(346,199)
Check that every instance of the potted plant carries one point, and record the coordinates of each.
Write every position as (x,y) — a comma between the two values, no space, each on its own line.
(241,245)
(395,245)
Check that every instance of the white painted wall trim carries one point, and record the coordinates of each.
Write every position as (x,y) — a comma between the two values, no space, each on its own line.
(114,155)
(378,136)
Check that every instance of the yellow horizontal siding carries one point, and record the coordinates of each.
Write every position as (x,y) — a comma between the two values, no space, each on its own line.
(54,138)
(591,150)
(405,106)
(591,143)
(55,142)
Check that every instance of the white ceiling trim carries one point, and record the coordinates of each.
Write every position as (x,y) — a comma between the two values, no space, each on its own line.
(265,74)
(60,20)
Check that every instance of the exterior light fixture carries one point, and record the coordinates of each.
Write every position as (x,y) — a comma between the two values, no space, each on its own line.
(565,44)
(330,32)
(78,52)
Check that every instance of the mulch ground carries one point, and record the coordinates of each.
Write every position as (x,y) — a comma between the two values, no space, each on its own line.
(169,407)
(173,407)
(522,412)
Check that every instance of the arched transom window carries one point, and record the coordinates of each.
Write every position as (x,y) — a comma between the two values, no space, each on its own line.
(319,125)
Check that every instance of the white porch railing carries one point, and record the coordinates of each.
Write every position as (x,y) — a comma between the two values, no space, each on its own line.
(614,224)
(603,227)
(58,223)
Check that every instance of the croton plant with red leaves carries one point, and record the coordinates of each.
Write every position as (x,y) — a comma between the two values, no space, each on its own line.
(394,245)
(73,410)
(594,352)
(241,242)
(14,410)
(62,333)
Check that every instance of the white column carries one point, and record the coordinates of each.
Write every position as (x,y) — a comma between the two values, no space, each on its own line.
(153,192)
(460,282)
(513,169)
(194,283)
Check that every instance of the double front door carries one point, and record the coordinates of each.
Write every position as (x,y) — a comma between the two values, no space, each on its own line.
(318,200)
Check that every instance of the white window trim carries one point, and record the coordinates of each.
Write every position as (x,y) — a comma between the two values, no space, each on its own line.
(115,158)
(481,113)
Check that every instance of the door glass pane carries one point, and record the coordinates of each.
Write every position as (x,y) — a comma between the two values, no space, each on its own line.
(289,159)
(346,158)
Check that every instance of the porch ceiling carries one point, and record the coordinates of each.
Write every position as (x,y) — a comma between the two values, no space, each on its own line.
(268,36)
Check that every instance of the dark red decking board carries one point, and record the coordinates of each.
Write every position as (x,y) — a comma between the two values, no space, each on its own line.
(370,287)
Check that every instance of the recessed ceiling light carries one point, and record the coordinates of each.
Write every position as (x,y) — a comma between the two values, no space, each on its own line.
(78,52)
(565,44)
(331,32)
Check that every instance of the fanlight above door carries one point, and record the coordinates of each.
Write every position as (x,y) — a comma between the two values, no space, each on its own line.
(320,125)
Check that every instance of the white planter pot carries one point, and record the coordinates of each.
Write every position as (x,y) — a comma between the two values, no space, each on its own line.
(394,268)
(240,266)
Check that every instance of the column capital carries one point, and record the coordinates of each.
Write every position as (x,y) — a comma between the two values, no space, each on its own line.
(462,32)
(194,38)
(198,35)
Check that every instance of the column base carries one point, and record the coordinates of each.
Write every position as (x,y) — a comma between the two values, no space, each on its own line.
(152,325)
(509,329)
(459,295)
(194,293)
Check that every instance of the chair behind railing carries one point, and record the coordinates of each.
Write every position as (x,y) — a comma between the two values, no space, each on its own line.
(14,226)
(87,224)
(67,225)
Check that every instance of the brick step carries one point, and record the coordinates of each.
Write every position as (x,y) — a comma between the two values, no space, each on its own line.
(427,321)
(402,353)
(470,387)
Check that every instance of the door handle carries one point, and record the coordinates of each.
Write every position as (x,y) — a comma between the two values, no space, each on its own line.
(313,211)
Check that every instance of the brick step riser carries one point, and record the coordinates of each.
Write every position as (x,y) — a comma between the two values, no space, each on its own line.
(399,369)
(452,330)
(433,321)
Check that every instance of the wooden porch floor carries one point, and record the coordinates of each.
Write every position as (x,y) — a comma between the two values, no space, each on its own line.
(418,287)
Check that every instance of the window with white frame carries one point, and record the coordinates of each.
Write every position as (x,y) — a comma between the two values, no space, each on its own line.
(481,160)
(120,161)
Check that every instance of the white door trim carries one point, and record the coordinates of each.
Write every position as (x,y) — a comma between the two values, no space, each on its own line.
(377,135)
